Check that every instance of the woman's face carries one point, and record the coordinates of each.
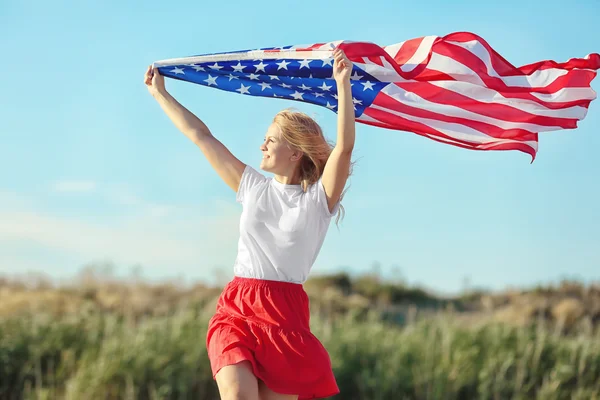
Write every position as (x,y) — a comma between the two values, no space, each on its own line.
(278,157)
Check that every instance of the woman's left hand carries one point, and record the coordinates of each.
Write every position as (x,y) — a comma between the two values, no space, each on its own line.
(342,66)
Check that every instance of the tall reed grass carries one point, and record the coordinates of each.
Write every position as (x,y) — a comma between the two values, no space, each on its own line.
(95,354)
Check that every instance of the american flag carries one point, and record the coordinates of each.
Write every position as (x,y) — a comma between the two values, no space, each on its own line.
(454,89)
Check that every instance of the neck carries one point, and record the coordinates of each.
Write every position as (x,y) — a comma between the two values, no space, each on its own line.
(289,175)
(287,180)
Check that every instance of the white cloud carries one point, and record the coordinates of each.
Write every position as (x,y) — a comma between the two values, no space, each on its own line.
(74,186)
(116,194)
(163,238)
(121,195)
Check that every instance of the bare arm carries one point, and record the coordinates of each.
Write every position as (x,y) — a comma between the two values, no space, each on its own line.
(337,168)
(228,167)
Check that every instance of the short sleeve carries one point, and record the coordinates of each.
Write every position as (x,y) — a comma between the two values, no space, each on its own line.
(250,178)
(321,200)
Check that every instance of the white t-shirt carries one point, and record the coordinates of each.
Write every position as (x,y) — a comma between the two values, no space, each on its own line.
(282,228)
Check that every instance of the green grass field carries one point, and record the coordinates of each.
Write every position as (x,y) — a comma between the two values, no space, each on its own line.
(80,345)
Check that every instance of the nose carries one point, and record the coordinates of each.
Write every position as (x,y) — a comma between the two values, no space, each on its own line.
(263,147)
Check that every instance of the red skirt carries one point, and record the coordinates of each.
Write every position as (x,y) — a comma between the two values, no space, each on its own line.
(267,323)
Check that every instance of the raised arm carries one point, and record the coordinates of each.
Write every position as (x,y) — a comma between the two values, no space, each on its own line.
(228,167)
(337,168)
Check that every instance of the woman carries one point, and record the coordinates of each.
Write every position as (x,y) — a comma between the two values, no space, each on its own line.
(259,340)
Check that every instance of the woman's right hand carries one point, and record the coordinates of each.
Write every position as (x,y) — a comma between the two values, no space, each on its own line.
(154,81)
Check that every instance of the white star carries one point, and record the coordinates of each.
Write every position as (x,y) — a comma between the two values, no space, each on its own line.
(274,95)
(324,87)
(335,96)
(356,76)
(261,66)
(285,86)
(231,76)
(327,61)
(283,64)
(212,80)
(297,95)
(318,94)
(367,85)
(198,68)
(304,63)
(178,70)
(243,89)
(265,85)
(215,66)
(274,77)
(355,101)
(238,68)
(304,87)
(253,77)
(331,107)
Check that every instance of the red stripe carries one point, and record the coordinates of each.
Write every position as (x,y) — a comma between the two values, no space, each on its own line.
(376,60)
(314,46)
(397,122)
(433,75)
(358,51)
(593,62)
(500,64)
(424,130)
(504,68)
(499,111)
(408,49)
(463,56)
(575,78)
(386,101)
(418,71)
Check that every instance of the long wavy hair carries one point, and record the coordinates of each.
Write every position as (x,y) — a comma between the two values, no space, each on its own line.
(304,134)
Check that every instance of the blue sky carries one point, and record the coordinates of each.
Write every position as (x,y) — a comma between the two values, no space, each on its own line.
(92,171)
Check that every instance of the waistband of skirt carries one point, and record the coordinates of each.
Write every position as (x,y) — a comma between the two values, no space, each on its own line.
(265,283)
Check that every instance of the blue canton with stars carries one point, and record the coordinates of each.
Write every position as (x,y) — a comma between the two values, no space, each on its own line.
(308,80)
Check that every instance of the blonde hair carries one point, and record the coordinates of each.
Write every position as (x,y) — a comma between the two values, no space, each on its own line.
(304,134)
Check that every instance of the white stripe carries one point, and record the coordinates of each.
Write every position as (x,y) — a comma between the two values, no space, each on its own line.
(392,49)
(368,118)
(451,129)
(380,73)
(420,55)
(531,143)
(315,54)
(469,84)
(414,100)
(537,79)
(455,69)
(486,95)
(567,94)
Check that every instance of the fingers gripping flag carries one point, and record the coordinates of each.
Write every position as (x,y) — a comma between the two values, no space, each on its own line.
(454,89)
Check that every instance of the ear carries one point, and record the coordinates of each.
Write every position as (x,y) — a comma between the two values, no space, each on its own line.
(296,155)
